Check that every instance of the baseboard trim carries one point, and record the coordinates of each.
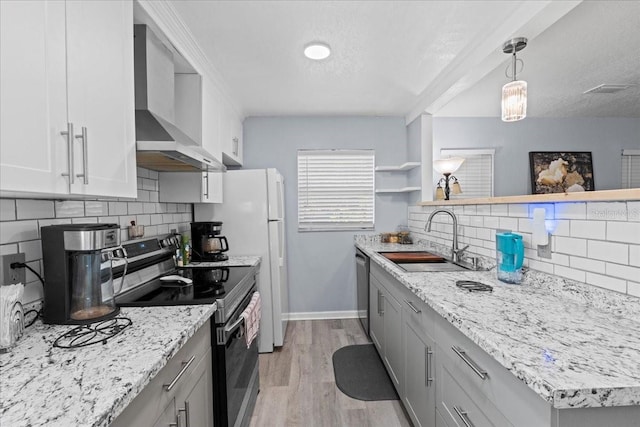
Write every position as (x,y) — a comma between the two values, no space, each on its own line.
(324,315)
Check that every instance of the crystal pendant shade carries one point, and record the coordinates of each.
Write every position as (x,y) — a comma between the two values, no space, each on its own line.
(514,101)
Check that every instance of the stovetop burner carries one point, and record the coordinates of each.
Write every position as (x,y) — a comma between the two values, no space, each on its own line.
(473,286)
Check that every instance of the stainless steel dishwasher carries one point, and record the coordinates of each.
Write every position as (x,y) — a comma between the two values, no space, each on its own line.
(362,287)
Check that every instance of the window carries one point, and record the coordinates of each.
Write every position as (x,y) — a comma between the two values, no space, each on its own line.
(476,173)
(335,189)
(630,168)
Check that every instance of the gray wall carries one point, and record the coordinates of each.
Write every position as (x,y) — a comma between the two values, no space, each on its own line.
(604,137)
(321,265)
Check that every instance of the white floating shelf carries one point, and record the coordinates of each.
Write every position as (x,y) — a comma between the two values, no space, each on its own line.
(398,190)
(403,167)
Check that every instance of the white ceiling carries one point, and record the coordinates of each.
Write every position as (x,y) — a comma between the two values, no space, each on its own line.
(403,58)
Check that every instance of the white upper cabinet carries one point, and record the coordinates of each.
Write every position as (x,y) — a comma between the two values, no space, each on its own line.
(211,112)
(91,94)
(231,136)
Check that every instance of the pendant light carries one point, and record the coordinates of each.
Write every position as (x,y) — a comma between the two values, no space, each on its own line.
(514,93)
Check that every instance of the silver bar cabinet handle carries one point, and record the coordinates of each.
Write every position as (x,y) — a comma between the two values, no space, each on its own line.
(186,414)
(463,416)
(463,355)
(85,157)
(413,307)
(205,177)
(185,366)
(69,134)
(428,354)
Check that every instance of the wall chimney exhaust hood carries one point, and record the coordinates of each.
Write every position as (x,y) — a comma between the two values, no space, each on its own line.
(160,144)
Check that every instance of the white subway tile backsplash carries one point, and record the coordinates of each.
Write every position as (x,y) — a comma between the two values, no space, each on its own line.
(606,251)
(7,210)
(520,210)
(142,173)
(628,232)
(483,210)
(154,196)
(570,246)
(173,207)
(634,255)
(571,210)
(499,210)
(607,211)
(32,250)
(607,282)
(33,209)
(524,225)
(152,230)
(476,221)
(156,219)
(633,211)
(47,222)
(623,271)
(541,266)
(144,220)
(560,259)
(587,264)
(633,288)
(569,273)
(483,233)
(84,220)
(109,220)
(469,209)
(149,208)
(508,223)
(491,222)
(152,174)
(134,208)
(18,231)
(561,227)
(588,229)
(117,208)
(143,196)
(93,208)
(69,208)
(11,248)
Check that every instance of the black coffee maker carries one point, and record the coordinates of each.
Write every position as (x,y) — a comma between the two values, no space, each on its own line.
(206,242)
(78,272)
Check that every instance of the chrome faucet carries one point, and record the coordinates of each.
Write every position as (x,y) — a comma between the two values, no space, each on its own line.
(455,252)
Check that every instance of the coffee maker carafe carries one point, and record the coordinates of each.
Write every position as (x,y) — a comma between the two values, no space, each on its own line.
(509,257)
(78,272)
(206,242)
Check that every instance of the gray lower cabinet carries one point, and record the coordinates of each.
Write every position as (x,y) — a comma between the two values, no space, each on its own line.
(419,351)
(445,379)
(180,395)
(386,329)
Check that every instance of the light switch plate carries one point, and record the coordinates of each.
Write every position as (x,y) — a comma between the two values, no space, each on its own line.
(13,275)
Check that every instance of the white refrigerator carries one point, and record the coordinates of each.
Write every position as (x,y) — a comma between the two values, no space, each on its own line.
(252,216)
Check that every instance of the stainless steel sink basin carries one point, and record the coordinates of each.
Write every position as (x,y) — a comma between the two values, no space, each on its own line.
(430,267)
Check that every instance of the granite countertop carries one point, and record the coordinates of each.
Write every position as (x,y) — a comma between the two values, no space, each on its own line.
(90,386)
(575,345)
(45,386)
(233,261)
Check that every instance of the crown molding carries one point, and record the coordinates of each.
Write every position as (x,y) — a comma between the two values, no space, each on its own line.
(165,16)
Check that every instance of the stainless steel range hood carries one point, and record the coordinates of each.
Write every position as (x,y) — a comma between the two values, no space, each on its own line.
(160,144)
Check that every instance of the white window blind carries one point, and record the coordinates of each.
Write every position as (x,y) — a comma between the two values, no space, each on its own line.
(476,173)
(335,189)
(630,168)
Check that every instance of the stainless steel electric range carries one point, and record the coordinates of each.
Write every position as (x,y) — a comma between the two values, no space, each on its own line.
(152,279)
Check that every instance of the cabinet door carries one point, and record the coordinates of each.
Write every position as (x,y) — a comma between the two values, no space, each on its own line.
(33,105)
(393,354)
(168,417)
(211,111)
(212,190)
(230,135)
(197,407)
(419,397)
(100,87)
(376,314)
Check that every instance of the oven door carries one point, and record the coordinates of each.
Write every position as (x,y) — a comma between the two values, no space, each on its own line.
(236,367)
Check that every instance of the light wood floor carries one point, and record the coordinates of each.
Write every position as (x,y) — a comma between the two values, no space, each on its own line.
(297,386)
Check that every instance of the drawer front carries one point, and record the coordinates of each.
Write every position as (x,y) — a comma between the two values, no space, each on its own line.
(151,401)
(485,380)
(458,408)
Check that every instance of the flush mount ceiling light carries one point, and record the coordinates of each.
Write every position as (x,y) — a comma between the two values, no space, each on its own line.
(317,51)
(514,93)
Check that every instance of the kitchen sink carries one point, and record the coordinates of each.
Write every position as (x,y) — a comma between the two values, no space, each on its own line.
(429,267)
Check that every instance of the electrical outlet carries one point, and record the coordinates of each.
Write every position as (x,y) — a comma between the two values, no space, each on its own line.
(13,275)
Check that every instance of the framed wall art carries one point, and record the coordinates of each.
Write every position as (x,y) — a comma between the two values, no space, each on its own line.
(561,172)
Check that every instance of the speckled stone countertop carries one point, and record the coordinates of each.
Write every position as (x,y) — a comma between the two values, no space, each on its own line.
(45,386)
(90,386)
(573,344)
(233,261)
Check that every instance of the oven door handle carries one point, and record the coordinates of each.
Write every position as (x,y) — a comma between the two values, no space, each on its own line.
(224,333)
